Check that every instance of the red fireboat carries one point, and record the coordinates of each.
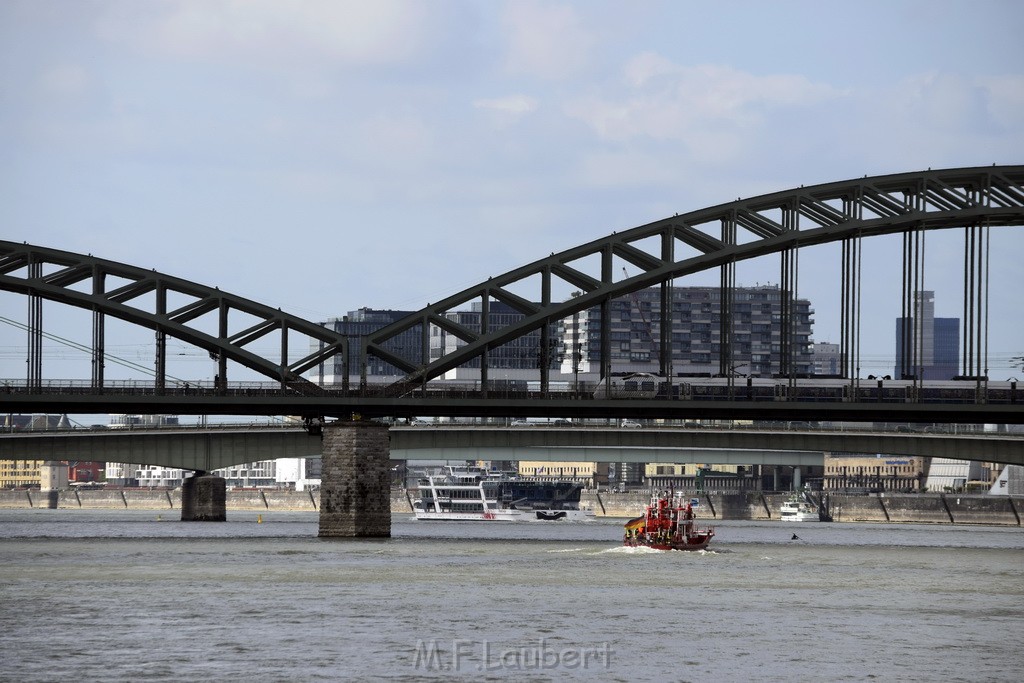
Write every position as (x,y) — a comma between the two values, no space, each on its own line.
(667,525)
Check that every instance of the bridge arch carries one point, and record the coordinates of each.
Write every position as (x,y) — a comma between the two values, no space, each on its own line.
(684,244)
(166,304)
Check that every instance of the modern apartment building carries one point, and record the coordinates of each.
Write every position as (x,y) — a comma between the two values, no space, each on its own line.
(356,325)
(758,338)
(281,473)
(523,353)
(519,354)
(827,359)
(696,333)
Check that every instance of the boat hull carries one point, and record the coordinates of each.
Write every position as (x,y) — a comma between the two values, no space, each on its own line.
(699,543)
(507,515)
(490,516)
(801,517)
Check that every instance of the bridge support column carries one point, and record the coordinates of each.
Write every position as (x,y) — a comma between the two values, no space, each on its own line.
(204,498)
(355,488)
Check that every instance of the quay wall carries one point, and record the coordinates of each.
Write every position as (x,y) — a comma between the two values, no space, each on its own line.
(149,500)
(926,508)
(288,500)
(245,500)
(984,509)
(102,500)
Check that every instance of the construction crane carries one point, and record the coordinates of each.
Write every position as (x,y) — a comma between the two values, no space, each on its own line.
(647,325)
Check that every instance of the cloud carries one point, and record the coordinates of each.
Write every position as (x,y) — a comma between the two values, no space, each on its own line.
(1005,96)
(618,170)
(65,79)
(665,101)
(268,32)
(946,102)
(546,41)
(507,110)
(512,104)
(395,142)
(938,119)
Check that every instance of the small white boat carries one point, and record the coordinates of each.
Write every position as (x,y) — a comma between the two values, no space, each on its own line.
(797,510)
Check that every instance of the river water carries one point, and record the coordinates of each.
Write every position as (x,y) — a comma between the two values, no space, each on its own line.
(141,596)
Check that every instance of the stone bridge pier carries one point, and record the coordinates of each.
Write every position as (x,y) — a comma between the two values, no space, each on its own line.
(355,486)
(204,498)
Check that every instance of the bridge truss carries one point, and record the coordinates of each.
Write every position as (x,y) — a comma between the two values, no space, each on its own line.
(971,199)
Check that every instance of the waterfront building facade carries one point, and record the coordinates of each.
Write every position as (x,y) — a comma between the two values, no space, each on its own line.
(260,474)
(15,474)
(33,473)
(1010,481)
(300,474)
(723,477)
(757,343)
(591,474)
(953,476)
(875,473)
(80,472)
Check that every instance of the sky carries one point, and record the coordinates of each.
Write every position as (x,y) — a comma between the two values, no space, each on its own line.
(323,156)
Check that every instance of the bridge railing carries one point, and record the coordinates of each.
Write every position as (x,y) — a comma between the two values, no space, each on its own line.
(713,389)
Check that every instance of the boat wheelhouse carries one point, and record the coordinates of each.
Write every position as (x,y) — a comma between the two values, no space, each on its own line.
(667,524)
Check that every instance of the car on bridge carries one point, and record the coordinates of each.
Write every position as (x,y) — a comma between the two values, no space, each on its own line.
(630,424)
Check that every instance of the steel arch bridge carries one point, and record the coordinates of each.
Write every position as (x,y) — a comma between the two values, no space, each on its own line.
(973,199)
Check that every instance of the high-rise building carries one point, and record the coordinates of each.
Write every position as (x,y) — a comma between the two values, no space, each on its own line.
(827,360)
(696,338)
(522,353)
(356,325)
(635,329)
(927,347)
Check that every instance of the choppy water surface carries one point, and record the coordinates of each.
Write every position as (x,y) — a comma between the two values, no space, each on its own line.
(141,596)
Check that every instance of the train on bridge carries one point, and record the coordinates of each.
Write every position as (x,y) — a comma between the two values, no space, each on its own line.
(639,386)
(642,385)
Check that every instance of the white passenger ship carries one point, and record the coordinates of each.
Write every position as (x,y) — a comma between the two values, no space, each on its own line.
(473,494)
(798,510)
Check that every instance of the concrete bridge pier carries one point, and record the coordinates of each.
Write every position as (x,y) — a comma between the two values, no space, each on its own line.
(355,487)
(204,498)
